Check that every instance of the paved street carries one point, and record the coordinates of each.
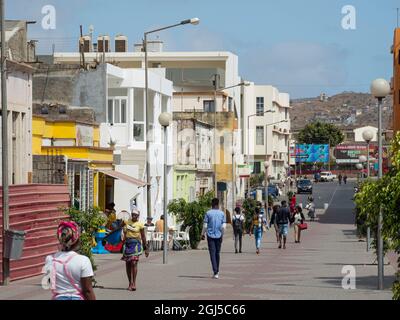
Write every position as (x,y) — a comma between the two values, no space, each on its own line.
(310,270)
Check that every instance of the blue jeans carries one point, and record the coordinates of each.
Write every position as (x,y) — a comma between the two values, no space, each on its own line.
(214,247)
(258,232)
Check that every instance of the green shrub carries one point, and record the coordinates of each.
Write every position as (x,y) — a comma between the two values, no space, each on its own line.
(192,214)
(89,221)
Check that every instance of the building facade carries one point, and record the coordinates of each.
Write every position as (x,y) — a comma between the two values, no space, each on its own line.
(67,151)
(266,123)
(19,115)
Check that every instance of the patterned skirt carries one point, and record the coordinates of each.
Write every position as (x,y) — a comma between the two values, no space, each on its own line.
(132,250)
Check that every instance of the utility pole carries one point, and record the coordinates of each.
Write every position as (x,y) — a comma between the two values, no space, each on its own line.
(82,49)
(4,142)
(216,86)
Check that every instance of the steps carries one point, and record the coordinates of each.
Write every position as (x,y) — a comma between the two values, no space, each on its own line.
(35,208)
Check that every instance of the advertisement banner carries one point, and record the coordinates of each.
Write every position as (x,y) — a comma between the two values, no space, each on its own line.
(310,153)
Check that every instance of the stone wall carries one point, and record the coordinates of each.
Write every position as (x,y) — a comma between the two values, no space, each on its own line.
(48,169)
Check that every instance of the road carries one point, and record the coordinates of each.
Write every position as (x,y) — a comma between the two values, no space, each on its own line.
(310,270)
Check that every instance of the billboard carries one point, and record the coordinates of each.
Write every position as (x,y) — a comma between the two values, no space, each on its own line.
(310,153)
(349,153)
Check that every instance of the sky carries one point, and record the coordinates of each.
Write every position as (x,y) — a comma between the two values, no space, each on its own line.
(300,47)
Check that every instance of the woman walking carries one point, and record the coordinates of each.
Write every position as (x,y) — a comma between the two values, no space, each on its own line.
(135,242)
(273,221)
(237,224)
(69,273)
(256,228)
(311,208)
(298,220)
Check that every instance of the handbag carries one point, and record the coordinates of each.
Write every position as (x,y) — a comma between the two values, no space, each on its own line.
(303,226)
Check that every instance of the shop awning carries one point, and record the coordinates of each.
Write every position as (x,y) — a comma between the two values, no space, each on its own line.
(120,176)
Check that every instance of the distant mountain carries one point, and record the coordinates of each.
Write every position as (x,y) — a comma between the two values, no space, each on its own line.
(346,110)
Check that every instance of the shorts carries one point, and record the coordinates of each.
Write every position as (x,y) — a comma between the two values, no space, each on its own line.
(283,229)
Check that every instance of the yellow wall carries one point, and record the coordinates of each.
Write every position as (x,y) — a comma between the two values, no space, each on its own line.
(42,129)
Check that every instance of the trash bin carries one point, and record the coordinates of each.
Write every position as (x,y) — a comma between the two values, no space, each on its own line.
(14,244)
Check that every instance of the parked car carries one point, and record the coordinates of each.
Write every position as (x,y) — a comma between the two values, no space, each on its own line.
(273,190)
(304,186)
(327,176)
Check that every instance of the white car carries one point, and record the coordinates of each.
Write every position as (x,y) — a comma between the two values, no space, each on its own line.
(327,176)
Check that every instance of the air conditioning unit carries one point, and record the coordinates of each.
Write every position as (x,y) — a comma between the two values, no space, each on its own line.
(121,43)
(103,44)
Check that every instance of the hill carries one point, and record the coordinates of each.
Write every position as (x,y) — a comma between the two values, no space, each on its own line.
(346,110)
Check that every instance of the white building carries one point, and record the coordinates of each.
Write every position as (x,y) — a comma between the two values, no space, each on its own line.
(19,106)
(266,136)
(359,131)
(118,97)
(192,74)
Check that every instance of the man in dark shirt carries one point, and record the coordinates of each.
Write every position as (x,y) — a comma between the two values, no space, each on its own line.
(283,219)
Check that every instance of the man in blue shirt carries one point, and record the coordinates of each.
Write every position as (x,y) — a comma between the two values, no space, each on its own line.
(214,224)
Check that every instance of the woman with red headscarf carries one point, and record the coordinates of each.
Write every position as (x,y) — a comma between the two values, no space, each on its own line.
(69,274)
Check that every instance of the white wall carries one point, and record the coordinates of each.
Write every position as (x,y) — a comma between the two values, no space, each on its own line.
(359,131)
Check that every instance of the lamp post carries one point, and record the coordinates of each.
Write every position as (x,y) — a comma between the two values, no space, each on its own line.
(217,89)
(193,21)
(165,119)
(368,135)
(266,166)
(359,166)
(380,88)
(233,151)
(362,160)
(4,145)
(286,166)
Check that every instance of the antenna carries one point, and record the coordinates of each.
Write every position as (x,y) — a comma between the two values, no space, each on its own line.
(397,17)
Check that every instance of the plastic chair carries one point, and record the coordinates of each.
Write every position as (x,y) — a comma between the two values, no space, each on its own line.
(157,240)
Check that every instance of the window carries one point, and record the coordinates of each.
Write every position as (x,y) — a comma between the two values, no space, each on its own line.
(260,106)
(286,113)
(138,115)
(110,118)
(230,104)
(116,110)
(257,168)
(209,106)
(259,136)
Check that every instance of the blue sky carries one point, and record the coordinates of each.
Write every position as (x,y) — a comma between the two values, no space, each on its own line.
(298,46)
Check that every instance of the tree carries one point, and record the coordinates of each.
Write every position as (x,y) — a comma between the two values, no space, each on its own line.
(192,214)
(321,133)
(385,194)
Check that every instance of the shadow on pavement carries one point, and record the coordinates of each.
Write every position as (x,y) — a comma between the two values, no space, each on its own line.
(362,283)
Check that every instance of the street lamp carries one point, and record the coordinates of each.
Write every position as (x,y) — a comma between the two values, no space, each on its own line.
(362,160)
(266,166)
(165,120)
(286,166)
(368,136)
(217,89)
(193,21)
(233,151)
(380,88)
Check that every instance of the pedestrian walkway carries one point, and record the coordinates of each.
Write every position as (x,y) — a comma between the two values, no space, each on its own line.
(310,270)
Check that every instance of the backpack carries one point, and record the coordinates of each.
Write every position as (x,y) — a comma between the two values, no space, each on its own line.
(237,224)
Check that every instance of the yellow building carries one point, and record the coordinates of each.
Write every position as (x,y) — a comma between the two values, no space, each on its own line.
(67,151)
